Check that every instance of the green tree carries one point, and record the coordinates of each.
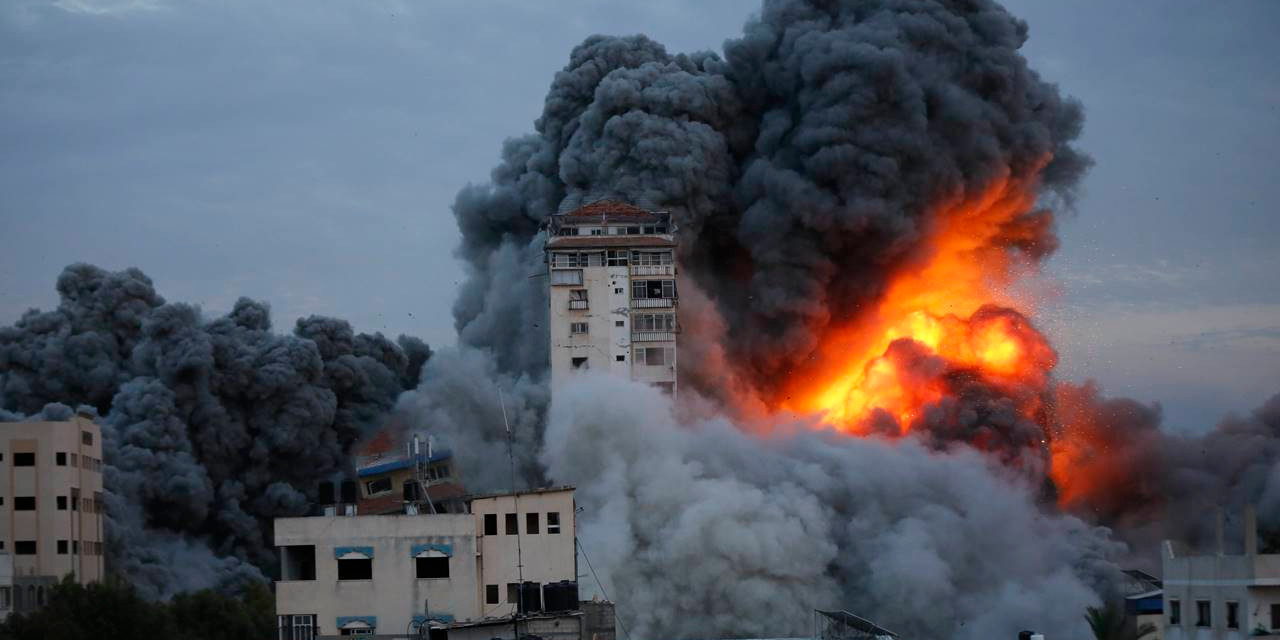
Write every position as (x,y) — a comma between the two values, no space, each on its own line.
(1108,623)
(112,610)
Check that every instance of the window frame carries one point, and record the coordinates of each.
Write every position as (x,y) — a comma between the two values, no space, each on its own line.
(532,525)
(1233,614)
(1175,612)
(491,594)
(1204,613)
(426,562)
(511,524)
(369,491)
(490,519)
(553,522)
(350,565)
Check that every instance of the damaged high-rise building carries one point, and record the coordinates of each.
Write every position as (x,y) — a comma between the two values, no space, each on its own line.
(611,269)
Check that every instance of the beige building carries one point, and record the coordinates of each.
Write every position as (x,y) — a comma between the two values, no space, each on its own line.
(50,504)
(1220,596)
(386,575)
(613,300)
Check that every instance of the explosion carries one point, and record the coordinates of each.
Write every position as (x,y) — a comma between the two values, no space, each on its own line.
(945,314)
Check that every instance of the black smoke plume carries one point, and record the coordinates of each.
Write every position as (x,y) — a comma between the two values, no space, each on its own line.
(211,427)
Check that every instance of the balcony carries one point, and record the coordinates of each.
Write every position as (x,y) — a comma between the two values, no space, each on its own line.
(653,336)
(653,270)
(652,303)
(577,305)
(566,277)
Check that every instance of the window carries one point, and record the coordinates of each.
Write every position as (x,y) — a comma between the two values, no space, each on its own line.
(617,258)
(355,569)
(578,328)
(379,485)
(654,322)
(60,459)
(655,356)
(620,358)
(531,524)
(5,598)
(553,522)
(513,592)
(578,363)
(299,562)
(24,459)
(491,594)
(619,323)
(618,290)
(1202,613)
(75,547)
(86,438)
(653,289)
(578,294)
(24,503)
(633,231)
(1233,615)
(1275,616)
(75,499)
(62,547)
(24,547)
(513,524)
(433,568)
(597,232)
(491,524)
(566,277)
(296,627)
(651,258)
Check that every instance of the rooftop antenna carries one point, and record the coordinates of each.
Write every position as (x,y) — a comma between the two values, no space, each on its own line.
(515,497)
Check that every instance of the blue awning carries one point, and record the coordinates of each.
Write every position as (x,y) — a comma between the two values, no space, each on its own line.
(339,552)
(419,549)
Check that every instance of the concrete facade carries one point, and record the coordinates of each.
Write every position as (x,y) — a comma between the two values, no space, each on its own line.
(51,505)
(365,573)
(612,293)
(1201,591)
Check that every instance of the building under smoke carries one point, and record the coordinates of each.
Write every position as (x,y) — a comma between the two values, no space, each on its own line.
(613,303)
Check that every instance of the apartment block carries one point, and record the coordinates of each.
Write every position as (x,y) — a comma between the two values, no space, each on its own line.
(51,505)
(612,293)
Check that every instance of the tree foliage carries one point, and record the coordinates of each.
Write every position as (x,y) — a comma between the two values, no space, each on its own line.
(113,609)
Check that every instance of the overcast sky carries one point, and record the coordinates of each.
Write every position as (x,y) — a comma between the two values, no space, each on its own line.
(307,154)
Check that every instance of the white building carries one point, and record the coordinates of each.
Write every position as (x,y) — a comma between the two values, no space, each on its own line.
(389,574)
(50,505)
(1220,596)
(613,300)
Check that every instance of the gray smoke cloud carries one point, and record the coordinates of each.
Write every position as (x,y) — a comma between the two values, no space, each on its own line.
(1151,485)
(700,530)
(211,428)
(802,166)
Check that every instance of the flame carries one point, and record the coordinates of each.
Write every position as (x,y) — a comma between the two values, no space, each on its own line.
(946,309)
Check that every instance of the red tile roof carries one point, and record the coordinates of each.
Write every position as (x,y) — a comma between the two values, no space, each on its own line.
(610,208)
(578,242)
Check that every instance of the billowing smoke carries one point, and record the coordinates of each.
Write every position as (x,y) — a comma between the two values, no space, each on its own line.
(1150,485)
(210,427)
(803,167)
(701,530)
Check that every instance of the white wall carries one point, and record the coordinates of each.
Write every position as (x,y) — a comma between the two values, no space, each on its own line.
(545,557)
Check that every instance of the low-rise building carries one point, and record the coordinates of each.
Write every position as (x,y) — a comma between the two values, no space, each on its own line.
(1219,596)
(50,505)
(389,575)
(415,477)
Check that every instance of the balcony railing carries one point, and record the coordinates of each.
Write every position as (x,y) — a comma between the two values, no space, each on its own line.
(653,270)
(653,336)
(577,304)
(652,303)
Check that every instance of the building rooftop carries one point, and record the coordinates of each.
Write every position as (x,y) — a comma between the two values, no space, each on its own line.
(501,494)
(610,208)
(577,242)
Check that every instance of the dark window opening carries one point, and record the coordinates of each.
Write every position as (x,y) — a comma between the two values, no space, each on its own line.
(24,459)
(355,569)
(531,523)
(86,437)
(374,487)
(62,547)
(1202,613)
(513,524)
(553,522)
(62,503)
(513,592)
(433,568)
(491,594)
(299,562)
(24,503)
(491,524)
(579,363)
(1233,615)
(24,547)
(1275,616)
(410,490)
(620,358)
(60,459)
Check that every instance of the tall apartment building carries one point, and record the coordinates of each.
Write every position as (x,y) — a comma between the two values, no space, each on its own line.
(456,573)
(613,300)
(50,505)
